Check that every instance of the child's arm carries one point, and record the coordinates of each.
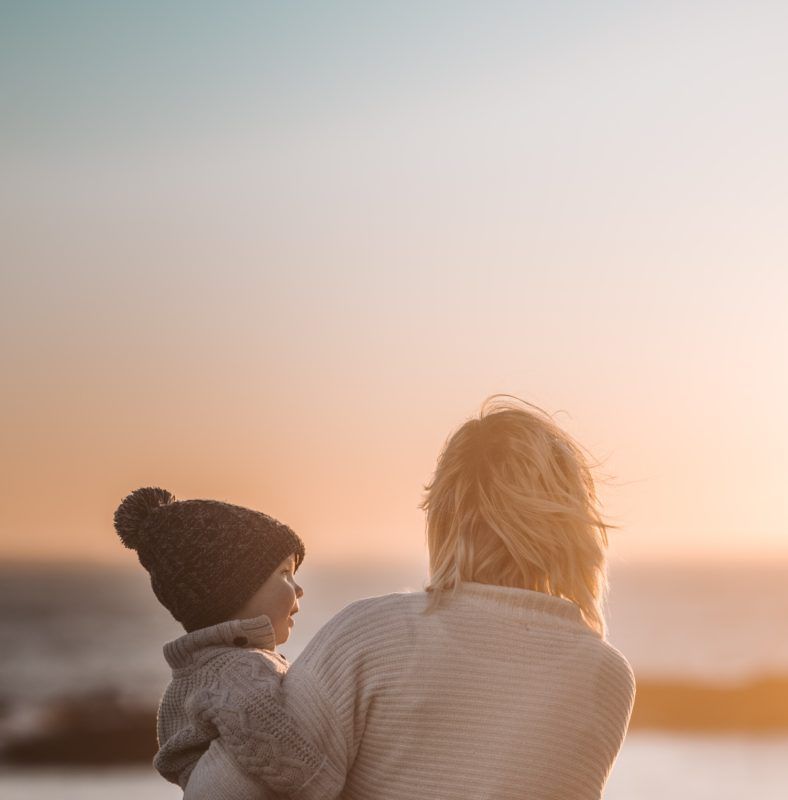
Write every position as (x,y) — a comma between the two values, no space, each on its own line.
(255,735)
(216,776)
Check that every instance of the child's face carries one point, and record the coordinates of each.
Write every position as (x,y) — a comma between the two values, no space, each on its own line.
(277,598)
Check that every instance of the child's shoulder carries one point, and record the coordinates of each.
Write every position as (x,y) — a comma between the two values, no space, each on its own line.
(248,662)
(231,678)
(226,663)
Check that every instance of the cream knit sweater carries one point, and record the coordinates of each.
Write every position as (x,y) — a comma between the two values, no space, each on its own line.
(500,694)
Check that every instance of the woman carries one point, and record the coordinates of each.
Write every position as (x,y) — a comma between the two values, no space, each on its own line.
(495,682)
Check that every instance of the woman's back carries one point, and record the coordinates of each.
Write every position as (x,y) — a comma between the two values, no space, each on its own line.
(498,693)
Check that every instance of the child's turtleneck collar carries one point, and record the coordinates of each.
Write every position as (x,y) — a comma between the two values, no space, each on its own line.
(257,632)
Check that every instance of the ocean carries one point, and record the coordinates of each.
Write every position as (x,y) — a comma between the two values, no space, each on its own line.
(75,630)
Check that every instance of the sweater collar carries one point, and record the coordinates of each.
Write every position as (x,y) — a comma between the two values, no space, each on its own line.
(257,632)
(523,604)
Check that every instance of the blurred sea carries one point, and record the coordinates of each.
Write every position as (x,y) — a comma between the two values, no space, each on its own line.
(71,630)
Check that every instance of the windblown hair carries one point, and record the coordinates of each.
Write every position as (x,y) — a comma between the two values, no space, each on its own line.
(512,503)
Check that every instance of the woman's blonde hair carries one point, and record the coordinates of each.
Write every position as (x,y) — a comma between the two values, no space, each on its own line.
(512,503)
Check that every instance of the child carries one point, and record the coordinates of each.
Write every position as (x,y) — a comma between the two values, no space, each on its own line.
(226,573)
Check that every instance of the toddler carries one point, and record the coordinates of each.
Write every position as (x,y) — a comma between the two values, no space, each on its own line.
(226,573)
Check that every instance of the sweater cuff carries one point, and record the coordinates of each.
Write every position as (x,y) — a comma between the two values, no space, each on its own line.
(327,782)
(217,777)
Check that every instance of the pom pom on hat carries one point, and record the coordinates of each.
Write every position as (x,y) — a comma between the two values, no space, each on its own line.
(135,509)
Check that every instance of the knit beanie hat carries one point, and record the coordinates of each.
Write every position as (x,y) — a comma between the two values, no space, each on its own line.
(205,558)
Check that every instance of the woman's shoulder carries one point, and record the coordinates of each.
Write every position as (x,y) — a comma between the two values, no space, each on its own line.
(365,624)
(397,602)
(614,673)
(370,612)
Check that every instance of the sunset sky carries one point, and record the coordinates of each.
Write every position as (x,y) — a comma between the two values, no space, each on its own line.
(274,253)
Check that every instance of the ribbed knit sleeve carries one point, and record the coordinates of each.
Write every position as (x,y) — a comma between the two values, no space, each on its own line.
(614,700)
(327,693)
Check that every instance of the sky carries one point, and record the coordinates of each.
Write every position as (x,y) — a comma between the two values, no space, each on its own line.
(274,253)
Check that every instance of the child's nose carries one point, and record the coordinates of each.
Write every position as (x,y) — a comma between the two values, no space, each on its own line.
(299,591)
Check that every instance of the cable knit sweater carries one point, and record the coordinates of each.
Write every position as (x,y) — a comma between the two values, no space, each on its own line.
(500,694)
(226,685)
